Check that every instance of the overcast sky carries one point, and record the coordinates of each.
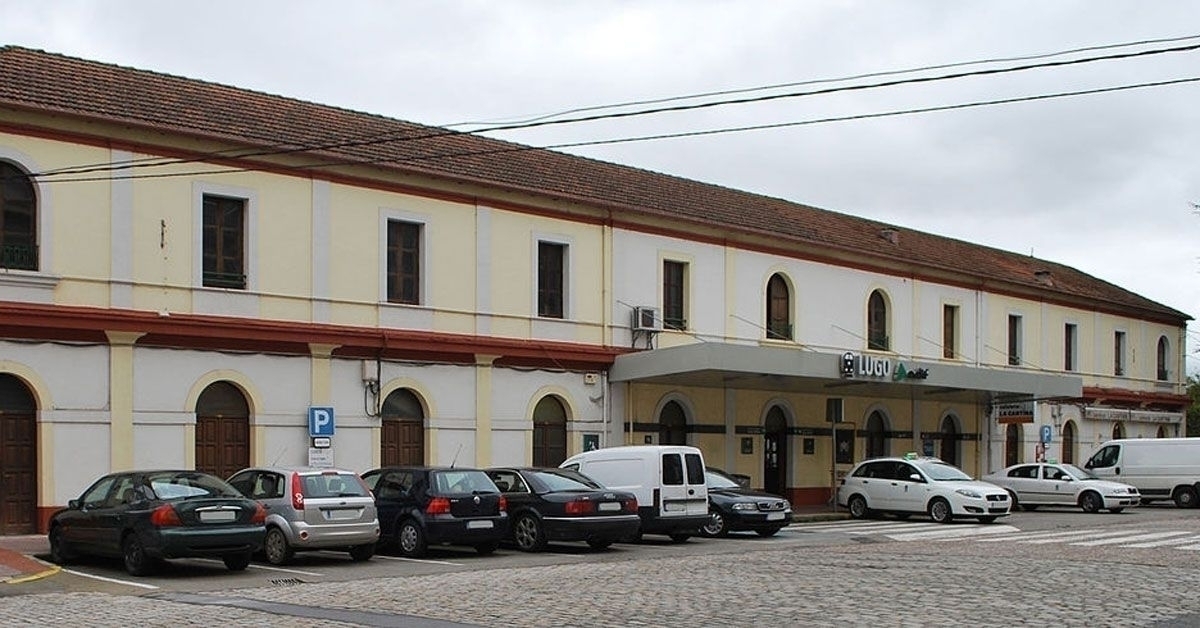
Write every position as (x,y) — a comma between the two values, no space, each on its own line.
(1104,183)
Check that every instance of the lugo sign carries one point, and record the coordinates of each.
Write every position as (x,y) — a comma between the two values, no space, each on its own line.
(855,365)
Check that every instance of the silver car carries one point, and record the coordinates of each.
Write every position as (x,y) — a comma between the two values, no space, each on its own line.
(309,509)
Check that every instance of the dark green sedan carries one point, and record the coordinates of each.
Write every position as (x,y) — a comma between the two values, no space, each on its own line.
(144,517)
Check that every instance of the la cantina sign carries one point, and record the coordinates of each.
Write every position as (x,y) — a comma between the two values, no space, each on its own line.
(854,365)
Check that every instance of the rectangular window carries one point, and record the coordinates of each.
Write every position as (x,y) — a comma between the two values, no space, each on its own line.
(551,275)
(403,262)
(674,308)
(1070,342)
(950,331)
(224,242)
(1119,353)
(1014,340)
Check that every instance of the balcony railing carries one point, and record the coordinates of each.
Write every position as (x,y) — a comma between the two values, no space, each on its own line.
(878,342)
(19,256)
(236,281)
(779,331)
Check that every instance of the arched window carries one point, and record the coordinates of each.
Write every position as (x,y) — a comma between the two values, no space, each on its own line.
(949,449)
(1118,430)
(18,220)
(1164,348)
(877,444)
(402,441)
(877,322)
(1012,444)
(549,432)
(672,425)
(779,309)
(1068,443)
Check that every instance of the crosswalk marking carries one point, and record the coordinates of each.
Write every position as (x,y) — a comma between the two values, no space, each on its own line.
(1039,535)
(1126,539)
(1167,542)
(955,532)
(1081,536)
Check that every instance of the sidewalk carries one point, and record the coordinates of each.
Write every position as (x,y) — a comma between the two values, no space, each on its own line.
(17,562)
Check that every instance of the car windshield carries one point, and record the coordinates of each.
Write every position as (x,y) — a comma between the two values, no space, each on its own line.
(940,471)
(1076,472)
(462,481)
(188,484)
(719,480)
(565,480)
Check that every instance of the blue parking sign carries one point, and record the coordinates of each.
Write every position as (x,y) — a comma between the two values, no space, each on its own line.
(1046,434)
(320,421)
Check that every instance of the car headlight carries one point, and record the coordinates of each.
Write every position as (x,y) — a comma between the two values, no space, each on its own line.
(787,505)
(745,506)
(968,493)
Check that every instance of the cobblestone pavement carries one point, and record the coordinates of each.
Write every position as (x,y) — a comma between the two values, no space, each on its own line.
(879,584)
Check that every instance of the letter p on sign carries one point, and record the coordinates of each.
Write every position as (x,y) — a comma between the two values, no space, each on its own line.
(320,421)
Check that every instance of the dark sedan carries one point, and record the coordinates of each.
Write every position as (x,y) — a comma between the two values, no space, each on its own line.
(564,505)
(147,516)
(735,508)
(423,506)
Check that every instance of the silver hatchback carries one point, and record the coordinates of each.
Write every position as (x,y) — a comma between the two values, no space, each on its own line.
(310,509)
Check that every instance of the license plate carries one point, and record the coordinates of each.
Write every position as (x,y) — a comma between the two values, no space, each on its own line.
(342,514)
(774,516)
(218,516)
(609,506)
(473,525)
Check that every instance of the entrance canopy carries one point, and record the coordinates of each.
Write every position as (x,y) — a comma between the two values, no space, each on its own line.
(723,365)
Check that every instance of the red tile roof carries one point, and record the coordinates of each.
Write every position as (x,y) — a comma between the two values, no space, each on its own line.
(39,81)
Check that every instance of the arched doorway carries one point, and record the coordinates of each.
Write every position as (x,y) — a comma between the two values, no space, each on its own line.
(1162,432)
(877,444)
(222,430)
(18,457)
(672,425)
(549,432)
(1118,430)
(403,425)
(1012,444)
(775,452)
(949,449)
(1068,443)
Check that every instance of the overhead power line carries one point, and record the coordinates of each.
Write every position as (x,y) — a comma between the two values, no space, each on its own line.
(439,132)
(510,148)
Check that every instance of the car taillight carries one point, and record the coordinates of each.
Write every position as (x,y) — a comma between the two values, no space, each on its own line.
(629,505)
(260,514)
(438,506)
(580,507)
(297,492)
(165,516)
(503,504)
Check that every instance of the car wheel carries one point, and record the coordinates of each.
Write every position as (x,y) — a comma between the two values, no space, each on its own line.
(360,553)
(1012,496)
(988,519)
(858,507)
(598,544)
(716,525)
(410,539)
(1185,497)
(487,548)
(276,547)
(1115,511)
(1090,502)
(528,534)
(680,538)
(237,562)
(939,511)
(768,531)
(60,552)
(137,561)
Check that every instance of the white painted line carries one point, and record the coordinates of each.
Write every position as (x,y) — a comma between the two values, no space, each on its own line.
(1040,535)
(419,560)
(1081,537)
(850,525)
(1190,539)
(953,533)
(1126,539)
(1194,548)
(256,566)
(113,580)
(882,528)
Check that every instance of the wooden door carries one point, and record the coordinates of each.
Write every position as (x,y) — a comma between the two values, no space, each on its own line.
(402,442)
(18,473)
(222,445)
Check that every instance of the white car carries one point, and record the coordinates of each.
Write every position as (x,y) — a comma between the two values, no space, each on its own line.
(904,486)
(1051,484)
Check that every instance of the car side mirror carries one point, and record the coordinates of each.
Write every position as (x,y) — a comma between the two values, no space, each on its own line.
(74,504)
(916,477)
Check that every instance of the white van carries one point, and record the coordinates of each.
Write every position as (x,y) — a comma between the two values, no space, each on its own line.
(667,479)
(1160,468)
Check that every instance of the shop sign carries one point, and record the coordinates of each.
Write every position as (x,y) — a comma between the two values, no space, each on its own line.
(856,365)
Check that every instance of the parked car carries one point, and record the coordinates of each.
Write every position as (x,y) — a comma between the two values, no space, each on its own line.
(563,505)
(147,516)
(908,485)
(668,481)
(310,509)
(1051,484)
(423,506)
(1160,468)
(734,508)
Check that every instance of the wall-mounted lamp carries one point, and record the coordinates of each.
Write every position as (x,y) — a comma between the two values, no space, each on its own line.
(370,380)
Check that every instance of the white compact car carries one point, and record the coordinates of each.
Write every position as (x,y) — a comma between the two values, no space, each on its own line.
(1049,484)
(908,485)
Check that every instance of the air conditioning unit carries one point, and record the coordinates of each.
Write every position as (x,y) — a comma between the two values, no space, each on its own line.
(646,318)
